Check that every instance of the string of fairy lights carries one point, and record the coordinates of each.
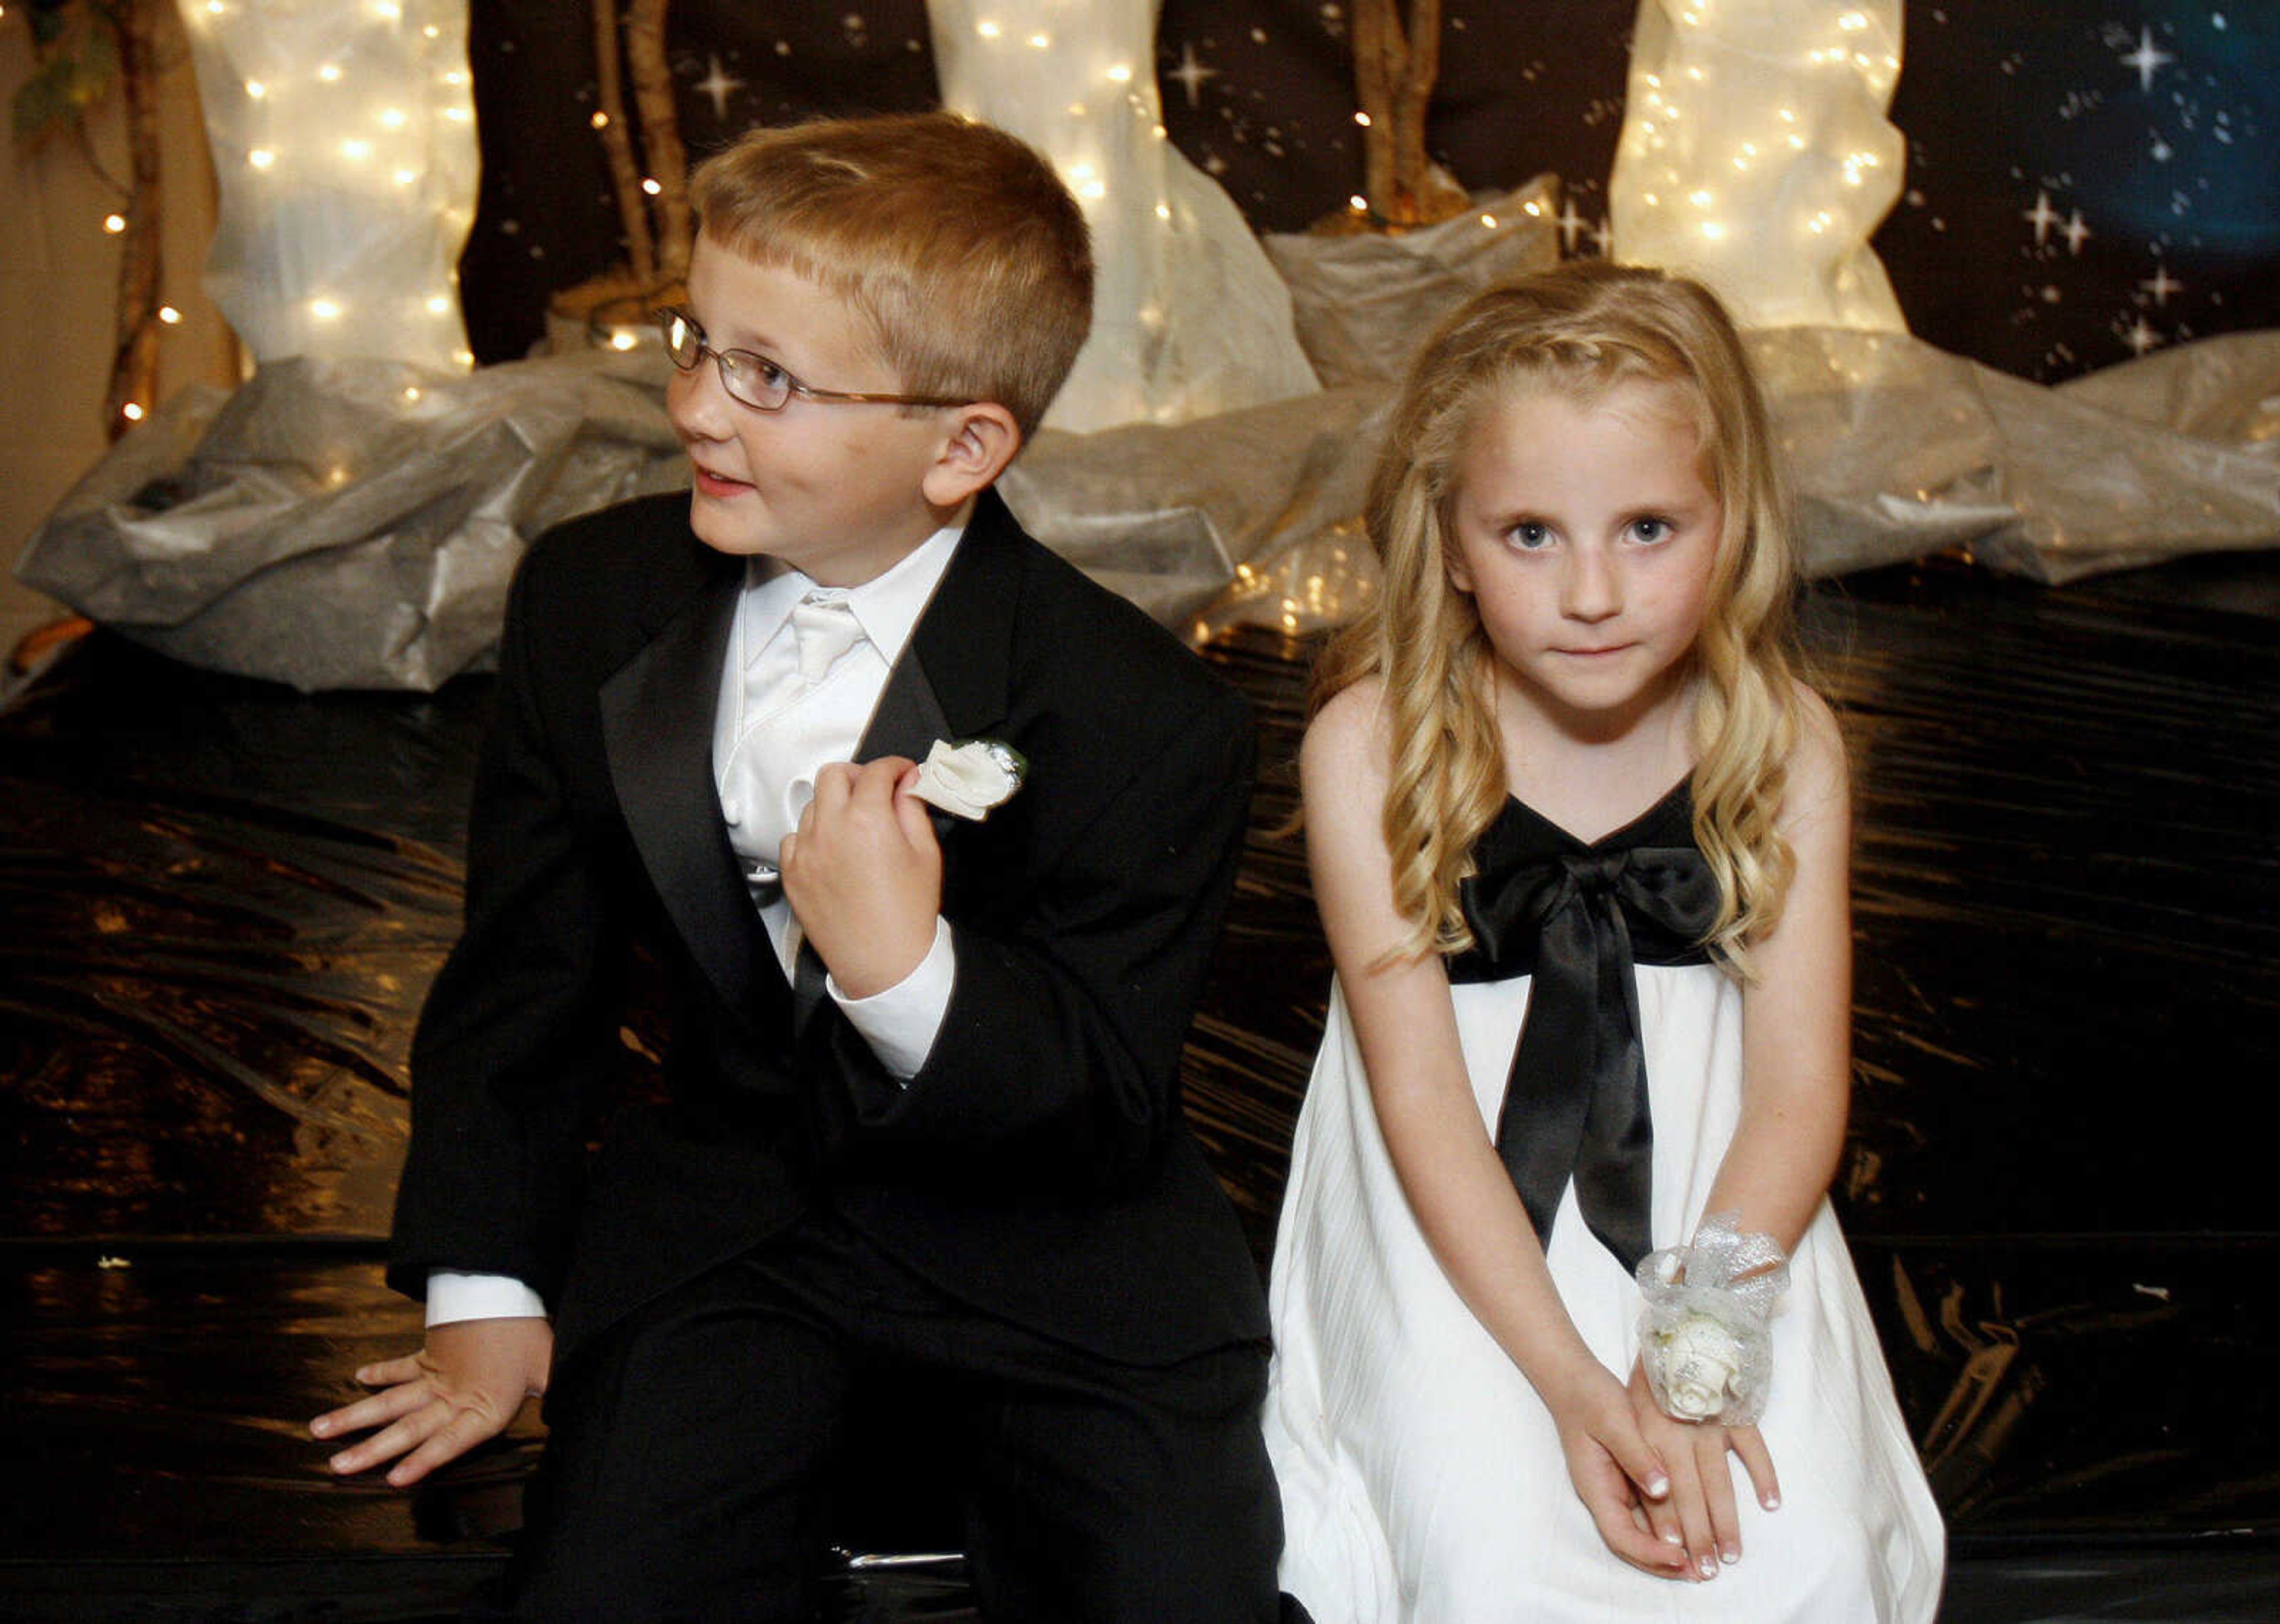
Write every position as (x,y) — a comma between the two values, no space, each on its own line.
(343,140)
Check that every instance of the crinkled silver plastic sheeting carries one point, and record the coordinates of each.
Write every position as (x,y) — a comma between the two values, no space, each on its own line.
(355,525)
(349,523)
(1898,451)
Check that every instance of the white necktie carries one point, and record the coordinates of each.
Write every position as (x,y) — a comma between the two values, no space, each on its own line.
(825,628)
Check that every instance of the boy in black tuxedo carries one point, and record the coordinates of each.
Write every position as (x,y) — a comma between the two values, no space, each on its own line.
(924,1109)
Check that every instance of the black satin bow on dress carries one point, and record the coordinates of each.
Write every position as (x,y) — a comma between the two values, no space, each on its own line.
(1579,918)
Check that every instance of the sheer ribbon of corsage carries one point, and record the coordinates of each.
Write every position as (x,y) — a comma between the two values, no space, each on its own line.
(1703,1336)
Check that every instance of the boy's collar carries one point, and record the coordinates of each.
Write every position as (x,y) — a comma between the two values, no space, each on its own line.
(887,606)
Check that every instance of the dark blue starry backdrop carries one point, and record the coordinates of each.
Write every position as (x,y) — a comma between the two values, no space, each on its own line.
(2087,180)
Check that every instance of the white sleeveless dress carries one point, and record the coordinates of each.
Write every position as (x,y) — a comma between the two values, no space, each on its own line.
(1422,1480)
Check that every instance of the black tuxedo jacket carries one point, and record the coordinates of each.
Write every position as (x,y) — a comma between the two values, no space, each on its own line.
(1037,1167)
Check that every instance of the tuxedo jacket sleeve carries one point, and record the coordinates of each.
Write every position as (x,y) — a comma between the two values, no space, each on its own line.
(1037,1164)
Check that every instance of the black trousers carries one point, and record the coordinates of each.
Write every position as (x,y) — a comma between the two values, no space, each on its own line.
(690,1449)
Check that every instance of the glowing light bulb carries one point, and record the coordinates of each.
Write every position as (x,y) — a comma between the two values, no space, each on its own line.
(1093,191)
(987,29)
(1121,73)
(1362,119)
(1041,41)
(393,118)
(132,411)
(405,177)
(114,223)
(255,88)
(355,150)
(650,185)
(1163,211)
(622,340)
(325,309)
(261,158)
(1358,204)
(1489,221)
(411,393)
(438,306)
(168,314)
(1532,208)
(330,73)
(600,121)
(456,77)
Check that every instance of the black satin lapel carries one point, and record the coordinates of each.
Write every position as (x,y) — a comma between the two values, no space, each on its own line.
(963,642)
(656,729)
(908,718)
(951,681)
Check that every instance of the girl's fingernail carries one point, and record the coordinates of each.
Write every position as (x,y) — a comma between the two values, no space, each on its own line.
(1773,1502)
(1657,1487)
(1672,1539)
(1707,1568)
(1730,1556)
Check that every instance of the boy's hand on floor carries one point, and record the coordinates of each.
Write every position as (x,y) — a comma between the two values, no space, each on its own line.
(863,874)
(464,1386)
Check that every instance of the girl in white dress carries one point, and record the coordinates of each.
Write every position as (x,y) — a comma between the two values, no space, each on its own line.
(1566,762)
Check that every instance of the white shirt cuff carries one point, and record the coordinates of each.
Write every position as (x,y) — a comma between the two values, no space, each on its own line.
(901,1023)
(452,1296)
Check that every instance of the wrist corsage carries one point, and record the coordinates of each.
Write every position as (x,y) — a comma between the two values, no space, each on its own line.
(1703,1334)
(969,779)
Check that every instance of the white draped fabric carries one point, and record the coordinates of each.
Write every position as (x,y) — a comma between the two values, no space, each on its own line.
(1756,155)
(343,137)
(1188,318)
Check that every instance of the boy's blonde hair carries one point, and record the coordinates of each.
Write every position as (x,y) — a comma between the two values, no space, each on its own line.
(955,244)
(1580,329)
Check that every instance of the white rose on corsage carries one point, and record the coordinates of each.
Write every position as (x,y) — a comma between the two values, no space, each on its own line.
(1700,1358)
(969,779)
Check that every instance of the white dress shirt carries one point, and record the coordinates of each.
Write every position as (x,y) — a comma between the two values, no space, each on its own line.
(771,734)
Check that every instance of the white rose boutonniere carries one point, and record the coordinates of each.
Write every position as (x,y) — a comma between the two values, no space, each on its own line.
(969,779)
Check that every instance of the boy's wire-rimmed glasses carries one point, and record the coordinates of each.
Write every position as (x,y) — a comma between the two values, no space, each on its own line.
(752,380)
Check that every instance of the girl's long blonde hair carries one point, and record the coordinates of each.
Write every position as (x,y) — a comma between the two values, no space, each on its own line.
(1581,327)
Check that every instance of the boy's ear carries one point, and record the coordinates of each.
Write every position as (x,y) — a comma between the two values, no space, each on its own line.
(983,439)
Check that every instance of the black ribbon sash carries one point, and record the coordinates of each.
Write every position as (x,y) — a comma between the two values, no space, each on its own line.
(1579,919)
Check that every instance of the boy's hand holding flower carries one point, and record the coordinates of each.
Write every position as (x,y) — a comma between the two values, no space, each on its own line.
(863,874)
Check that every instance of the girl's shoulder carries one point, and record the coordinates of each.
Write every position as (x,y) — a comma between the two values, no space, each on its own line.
(1816,773)
(1348,734)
